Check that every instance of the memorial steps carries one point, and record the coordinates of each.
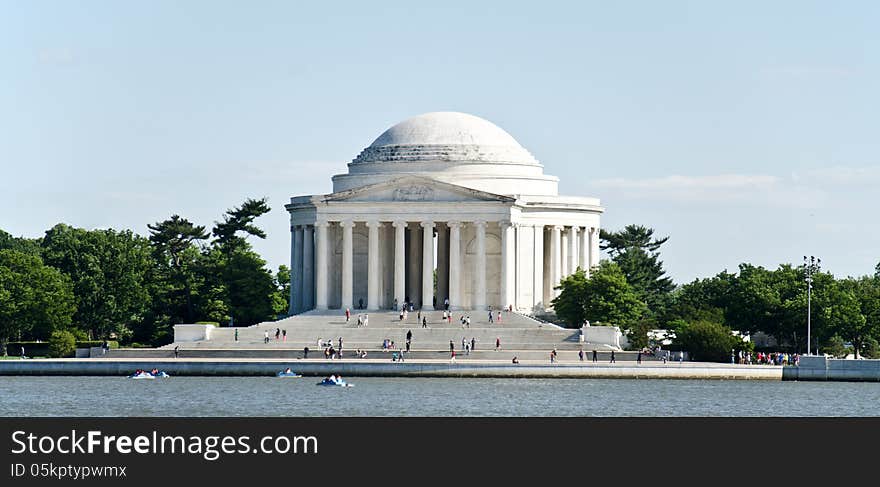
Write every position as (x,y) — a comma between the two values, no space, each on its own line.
(520,335)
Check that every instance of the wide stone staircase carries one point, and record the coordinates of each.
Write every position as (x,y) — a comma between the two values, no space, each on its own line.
(519,335)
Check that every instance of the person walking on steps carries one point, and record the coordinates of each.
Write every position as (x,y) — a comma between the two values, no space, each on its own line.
(595,356)
(497,343)
(612,356)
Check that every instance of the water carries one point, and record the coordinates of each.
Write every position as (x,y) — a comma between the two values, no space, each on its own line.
(253,396)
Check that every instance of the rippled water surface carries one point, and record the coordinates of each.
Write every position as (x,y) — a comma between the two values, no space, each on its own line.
(253,396)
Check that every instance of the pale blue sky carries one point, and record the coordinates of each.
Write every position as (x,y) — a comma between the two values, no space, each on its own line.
(747,131)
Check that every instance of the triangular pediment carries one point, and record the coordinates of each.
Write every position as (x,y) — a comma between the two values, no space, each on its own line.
(416,189)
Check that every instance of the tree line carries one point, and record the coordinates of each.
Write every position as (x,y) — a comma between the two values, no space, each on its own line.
(111,284)
(631,290)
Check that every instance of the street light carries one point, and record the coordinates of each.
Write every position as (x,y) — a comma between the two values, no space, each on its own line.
(811,266)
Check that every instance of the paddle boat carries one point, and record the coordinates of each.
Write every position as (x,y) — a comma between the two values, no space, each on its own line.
(334,381)
(142,374)
(154,374)
(287,373)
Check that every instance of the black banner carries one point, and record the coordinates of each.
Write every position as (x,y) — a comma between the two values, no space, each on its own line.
(173,451)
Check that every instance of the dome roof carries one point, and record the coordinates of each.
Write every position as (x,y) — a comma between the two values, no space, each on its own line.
(448,128)
(446,136)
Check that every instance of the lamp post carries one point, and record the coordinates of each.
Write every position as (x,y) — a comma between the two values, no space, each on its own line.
(811,266)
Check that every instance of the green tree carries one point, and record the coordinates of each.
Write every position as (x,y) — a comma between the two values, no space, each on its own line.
(775,302)
(173,243)
(282,283)
(251,293)
(834,346)
(636,251)
(240,220)
(702,299)
(250,290)
(706,341)
(854,312)
(62,343)
(570,304)
(25,245)
(109,271)
(34,299)
(605,297)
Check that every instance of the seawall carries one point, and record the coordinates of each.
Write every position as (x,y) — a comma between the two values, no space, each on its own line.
(825,369)
(386,368)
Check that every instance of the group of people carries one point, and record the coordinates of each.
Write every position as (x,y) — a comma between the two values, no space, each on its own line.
(362,319)
(491,314)
(764,358)
(329,351)
(279,335)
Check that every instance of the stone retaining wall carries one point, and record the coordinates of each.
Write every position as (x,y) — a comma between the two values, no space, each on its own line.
(825,369)
(106,367)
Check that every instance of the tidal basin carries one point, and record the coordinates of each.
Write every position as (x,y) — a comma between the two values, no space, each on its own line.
(398,396)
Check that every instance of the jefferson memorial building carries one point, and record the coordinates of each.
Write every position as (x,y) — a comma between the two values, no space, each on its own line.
(441,191)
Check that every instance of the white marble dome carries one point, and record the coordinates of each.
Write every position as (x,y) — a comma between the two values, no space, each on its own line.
(454,128)
(446,136)
(450,146)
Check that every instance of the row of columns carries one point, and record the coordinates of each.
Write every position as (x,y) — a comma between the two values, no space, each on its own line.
(582,251)
(302,273)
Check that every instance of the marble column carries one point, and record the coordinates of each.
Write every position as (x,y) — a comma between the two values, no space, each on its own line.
(555,259)
(296,278)
(584,251)
(428,265)
(507,269)
(399,262)
(538,299)
(454,264)
(480,271)
(442,264)
(347,265)
(518,265)
(373,265)
(308,265)
(563,259)
(594,246)
(414,265)
(321,265)
(573,250)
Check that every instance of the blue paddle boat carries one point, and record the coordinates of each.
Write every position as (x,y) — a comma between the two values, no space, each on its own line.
(287,373)
(334,382)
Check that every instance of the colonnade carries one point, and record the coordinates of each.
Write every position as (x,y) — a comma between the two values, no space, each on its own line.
(570,247)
